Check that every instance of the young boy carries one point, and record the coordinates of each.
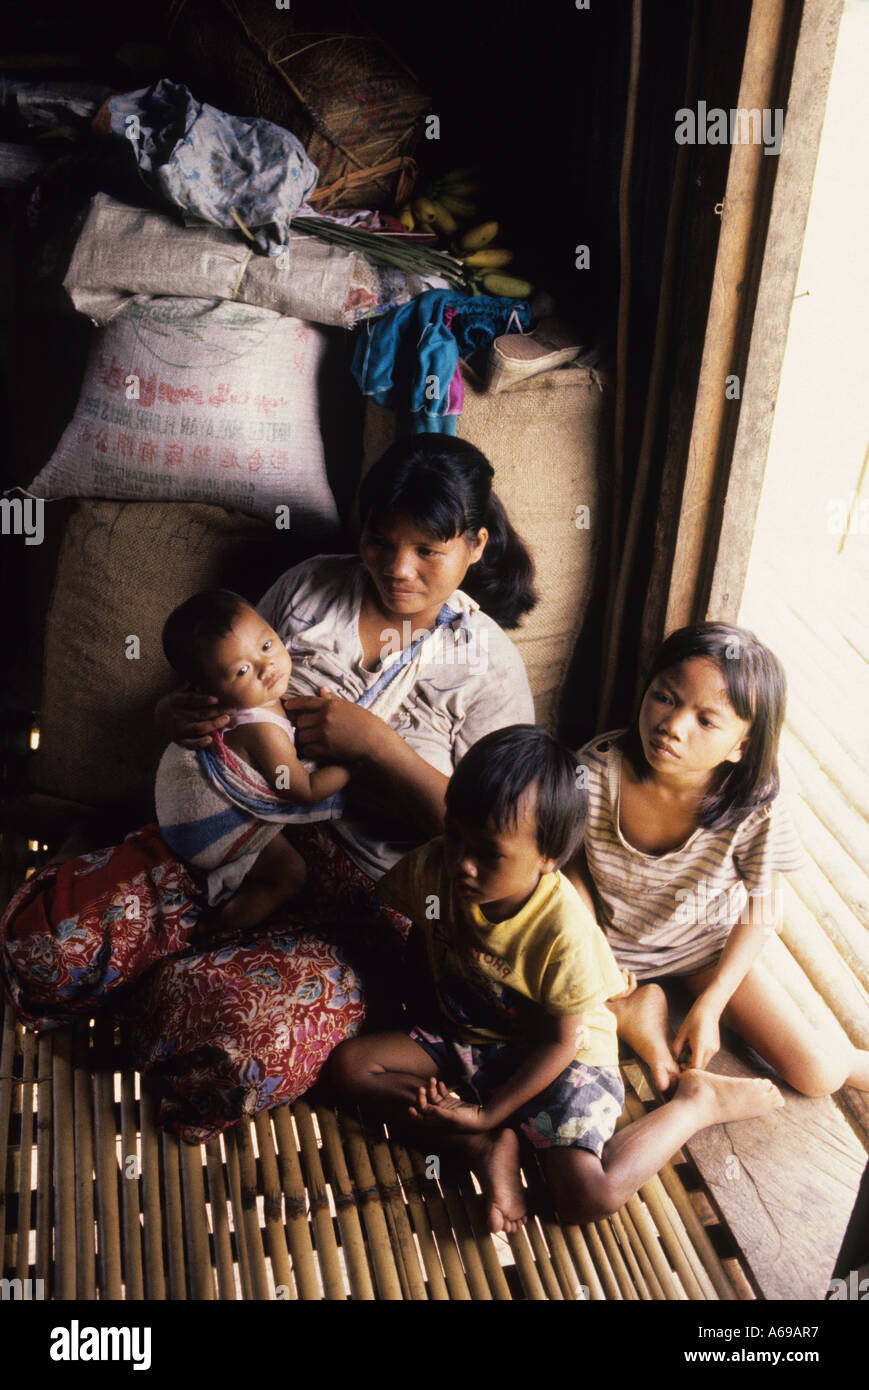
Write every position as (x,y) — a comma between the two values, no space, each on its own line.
(221,809)
(519,1021)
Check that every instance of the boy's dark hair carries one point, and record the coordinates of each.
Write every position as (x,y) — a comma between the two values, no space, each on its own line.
(194,624)
(492,777)
(757,690)
(444,486)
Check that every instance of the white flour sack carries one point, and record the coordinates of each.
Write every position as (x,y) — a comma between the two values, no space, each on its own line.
(200,400)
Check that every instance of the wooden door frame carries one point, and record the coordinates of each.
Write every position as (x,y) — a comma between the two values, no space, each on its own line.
(714,478)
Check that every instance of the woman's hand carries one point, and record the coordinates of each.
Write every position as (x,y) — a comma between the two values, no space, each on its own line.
(699,1034)
(190,718)
(436,1106)
(336,730)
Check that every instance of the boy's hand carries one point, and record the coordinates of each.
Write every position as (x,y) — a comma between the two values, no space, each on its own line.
(437,1106)
(190,718)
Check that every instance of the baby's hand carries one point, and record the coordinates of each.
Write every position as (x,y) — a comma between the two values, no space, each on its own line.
(436,1105)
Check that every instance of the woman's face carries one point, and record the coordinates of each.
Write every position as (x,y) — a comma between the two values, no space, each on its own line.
(412,571)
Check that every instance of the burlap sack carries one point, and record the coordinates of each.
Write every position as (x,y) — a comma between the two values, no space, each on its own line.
(137,251)
(547,440)
(123,566)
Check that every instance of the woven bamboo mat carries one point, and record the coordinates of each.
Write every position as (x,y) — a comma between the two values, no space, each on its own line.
(302,1202)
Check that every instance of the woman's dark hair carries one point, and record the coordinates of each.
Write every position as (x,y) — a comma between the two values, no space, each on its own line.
(757,689)
(196,623)
(494,774)
(444,486)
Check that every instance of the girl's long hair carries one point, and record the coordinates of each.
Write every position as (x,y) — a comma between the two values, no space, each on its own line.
(757,689)
(443,485)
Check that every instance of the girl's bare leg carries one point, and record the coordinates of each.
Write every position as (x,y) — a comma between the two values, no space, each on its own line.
(383,1073)
(643,1023)
(816,1060)
(587,1188)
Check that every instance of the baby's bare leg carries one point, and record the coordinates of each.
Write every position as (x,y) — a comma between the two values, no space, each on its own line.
(277,876)
(643,1022)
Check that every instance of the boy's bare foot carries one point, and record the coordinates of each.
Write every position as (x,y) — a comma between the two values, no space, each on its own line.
(494,1157)
(718,1099)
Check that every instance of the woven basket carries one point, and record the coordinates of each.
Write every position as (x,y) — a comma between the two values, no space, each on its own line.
(355,107)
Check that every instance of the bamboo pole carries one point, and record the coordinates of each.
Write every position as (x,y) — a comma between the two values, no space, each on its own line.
(849,881)
(25,1154)
(130,1179)
(250,1216)
(837,986)
(544,1262)
(346,1208)
(106,1153)
(618,1227)
(64,1168)
(7,1061)
(611,1285)
(825,799)
(420,1218)
(152,1229)
(484,1240)
(653,1241)
(174,1216)
(584,1263)
(386,1271)
(465,1240)
(735,257)
(43,1162)
(438,1215)
(846,934)
(238,1224)
(396,1214)
(298,1229)
(85,1180)
(324,1233)
(221,1242)
(676,1242)
(200,1272)
(617,1264)
(276,1240)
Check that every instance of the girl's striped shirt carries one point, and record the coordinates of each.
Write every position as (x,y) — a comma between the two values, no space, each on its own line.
(670,914)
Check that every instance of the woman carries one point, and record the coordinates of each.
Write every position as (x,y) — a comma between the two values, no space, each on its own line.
(396,670)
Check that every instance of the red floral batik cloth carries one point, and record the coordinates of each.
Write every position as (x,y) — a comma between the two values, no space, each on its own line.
(223,1032)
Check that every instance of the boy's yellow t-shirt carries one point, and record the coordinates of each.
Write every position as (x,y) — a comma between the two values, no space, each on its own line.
(492,978)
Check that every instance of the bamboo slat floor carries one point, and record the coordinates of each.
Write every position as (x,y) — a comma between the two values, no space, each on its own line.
(301,1203)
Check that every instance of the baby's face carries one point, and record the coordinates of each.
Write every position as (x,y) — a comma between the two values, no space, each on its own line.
(248,667)
(496,868)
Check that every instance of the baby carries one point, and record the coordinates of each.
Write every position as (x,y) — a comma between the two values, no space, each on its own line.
(221,808)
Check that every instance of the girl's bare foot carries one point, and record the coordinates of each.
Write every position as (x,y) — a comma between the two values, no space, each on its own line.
(494,1157)
(859,1076)
(718,1099)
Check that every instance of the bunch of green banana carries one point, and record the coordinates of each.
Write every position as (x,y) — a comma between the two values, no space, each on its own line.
(447,204)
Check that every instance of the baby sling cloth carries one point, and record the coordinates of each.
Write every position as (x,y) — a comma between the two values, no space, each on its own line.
(218,813)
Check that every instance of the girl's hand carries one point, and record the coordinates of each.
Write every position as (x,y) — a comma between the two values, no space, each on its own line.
(699,1034)
(437,1106)
(190,718)
(335,730)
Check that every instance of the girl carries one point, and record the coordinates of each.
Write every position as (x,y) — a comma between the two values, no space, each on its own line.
(683,842)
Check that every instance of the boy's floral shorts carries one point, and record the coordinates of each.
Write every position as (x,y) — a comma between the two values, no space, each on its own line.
(577,1110)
